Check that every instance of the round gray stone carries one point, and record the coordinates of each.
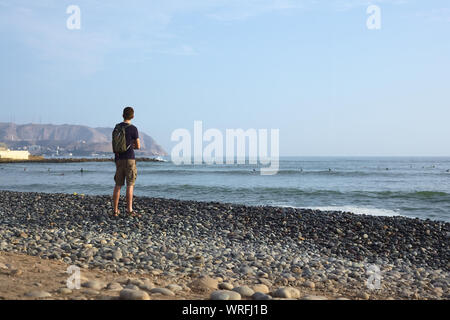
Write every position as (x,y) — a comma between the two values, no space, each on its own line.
(226,286)
(261,296)
(38,294)
(93,284)
(219,295)
(163,291)
(313,297)
(129,294)
(260,288)
(244,291)
(225,295)
(117,255)
(131,286)
(174,287)
(64,291)
(114,286)
(287,293)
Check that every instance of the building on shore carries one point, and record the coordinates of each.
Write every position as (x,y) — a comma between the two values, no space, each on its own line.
(14,154)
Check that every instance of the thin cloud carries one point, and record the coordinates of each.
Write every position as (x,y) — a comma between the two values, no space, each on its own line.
(50,41)
(84,51)
(438,15)
(134,30)
(241,10)
(345,5)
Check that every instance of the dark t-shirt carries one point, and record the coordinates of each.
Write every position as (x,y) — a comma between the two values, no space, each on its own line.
(131,133)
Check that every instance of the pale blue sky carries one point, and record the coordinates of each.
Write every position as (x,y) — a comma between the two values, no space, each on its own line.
(309,68)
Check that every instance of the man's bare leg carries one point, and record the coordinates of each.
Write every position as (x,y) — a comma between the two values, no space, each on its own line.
(116,196)
(130,190)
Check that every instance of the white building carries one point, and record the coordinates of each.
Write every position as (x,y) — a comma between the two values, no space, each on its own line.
(14,154)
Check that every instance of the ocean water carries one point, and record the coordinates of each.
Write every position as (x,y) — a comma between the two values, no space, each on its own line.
(412,187)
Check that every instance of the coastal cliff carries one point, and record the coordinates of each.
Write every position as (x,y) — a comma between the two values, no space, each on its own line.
(76,139)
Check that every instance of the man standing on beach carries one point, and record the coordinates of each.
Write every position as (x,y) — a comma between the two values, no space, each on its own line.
(126,163)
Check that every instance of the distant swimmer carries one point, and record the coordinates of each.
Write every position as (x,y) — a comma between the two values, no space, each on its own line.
(387,169)
(24,169)
(81,170)
(329,170)
(254,170)
(448,170)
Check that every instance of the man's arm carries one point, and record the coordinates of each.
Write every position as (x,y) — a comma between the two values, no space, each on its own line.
(136,141)
(137,144)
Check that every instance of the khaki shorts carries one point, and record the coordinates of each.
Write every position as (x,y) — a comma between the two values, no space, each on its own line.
(125,169)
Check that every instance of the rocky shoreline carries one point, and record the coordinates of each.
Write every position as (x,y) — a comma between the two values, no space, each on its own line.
(224,249)
(71,160)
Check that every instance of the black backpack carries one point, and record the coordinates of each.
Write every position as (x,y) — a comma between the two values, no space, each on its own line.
(119,141)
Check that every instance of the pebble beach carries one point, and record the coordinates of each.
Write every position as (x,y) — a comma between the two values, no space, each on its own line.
(226,251)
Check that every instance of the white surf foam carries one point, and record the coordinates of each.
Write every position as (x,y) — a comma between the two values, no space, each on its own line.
(352,209)
(361,210)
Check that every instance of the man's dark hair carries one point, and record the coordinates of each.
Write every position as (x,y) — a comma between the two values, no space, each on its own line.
(128,113)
